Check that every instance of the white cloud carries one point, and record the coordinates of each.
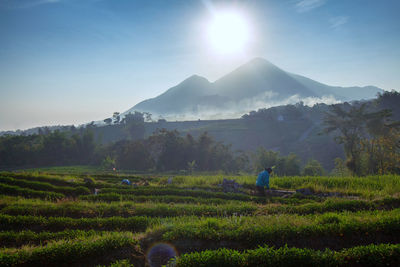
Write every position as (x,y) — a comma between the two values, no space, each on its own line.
(307,5)
(232,110)
(338,21)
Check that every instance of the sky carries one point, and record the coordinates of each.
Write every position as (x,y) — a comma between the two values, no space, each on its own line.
(66,62)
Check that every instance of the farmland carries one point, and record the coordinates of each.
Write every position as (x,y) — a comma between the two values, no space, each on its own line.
(54,218)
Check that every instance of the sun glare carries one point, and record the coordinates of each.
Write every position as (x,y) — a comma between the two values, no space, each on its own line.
(228,32)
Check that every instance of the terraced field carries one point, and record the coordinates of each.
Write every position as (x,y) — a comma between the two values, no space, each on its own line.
(58,219)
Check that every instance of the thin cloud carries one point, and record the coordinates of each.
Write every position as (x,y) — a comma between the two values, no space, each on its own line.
(15,4)
(307,5)
(338,21)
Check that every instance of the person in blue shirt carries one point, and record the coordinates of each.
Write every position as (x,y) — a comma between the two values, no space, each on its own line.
(263,181)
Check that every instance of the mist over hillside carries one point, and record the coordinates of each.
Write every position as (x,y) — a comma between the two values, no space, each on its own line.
(256,84)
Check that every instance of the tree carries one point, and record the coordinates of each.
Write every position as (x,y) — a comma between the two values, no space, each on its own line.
(292,165)
(264,158)
(352,128)
(132,155)
(108,163)
(340,168)
(382,152)
(191,165)
(313,168)
(116,117)
(134,125)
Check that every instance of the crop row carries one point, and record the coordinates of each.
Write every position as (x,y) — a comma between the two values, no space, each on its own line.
(333,205)
(17,239)
(126,209)
(181,198)
(78,209)
(83,252)
(148,191)
(110,197)
(62,181)
(42,186)
(12,190)
(335,229)
(55,180)
(371,255)
(37,224)
(368,187)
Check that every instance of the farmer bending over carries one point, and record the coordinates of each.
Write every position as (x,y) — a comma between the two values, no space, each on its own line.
(263,180)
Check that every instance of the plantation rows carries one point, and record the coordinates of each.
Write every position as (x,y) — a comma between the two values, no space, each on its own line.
(153,208)
(60,220)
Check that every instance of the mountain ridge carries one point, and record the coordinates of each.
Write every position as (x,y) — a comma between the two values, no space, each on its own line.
(255,84)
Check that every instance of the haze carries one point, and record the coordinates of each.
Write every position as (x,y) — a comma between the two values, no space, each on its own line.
(76,61)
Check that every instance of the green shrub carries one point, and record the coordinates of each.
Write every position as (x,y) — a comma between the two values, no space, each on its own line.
(16,239)
(134,224)
(12,190)
(157,191)
(42,186)
(85,250)
(371,255)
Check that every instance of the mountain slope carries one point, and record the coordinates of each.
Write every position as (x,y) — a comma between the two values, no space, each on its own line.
(341,93)
(253,85)
(188,93)
(257,77)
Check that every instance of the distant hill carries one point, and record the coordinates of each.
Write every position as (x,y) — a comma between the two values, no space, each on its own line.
(256,84)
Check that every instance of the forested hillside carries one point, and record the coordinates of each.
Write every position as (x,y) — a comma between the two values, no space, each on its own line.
(230,145)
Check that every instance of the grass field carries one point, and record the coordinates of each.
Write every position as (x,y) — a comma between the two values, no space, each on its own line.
(52,217)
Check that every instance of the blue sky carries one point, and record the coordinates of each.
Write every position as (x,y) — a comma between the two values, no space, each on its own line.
(74,61)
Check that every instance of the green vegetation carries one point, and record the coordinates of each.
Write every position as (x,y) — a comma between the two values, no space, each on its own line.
(12,190)
(16,239)
(37,223)
(66,190)
(251,231)
(55,219)
(64,252)
(371,255)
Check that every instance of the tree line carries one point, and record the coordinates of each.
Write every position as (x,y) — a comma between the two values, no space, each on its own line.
(370,136)
(163,151)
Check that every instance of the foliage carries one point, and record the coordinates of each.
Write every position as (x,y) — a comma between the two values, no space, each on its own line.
(371,255)
(289,165)
(54,148)
(42,186)
(19,238)
(371,141)
(283,229)
(12,190)
(313,168)
(192,213)
(138,223)
(65,252)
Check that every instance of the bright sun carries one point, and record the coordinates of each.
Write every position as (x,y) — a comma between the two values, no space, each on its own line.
(228,32)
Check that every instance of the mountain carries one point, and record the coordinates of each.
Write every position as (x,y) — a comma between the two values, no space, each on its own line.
(256,84)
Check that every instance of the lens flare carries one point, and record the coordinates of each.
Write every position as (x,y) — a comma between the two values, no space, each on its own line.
(159,254)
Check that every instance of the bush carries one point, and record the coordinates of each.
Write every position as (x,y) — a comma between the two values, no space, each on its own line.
(134,224)
(371,255)
(313,168)
(28,193)
(67,190)
(63,253)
